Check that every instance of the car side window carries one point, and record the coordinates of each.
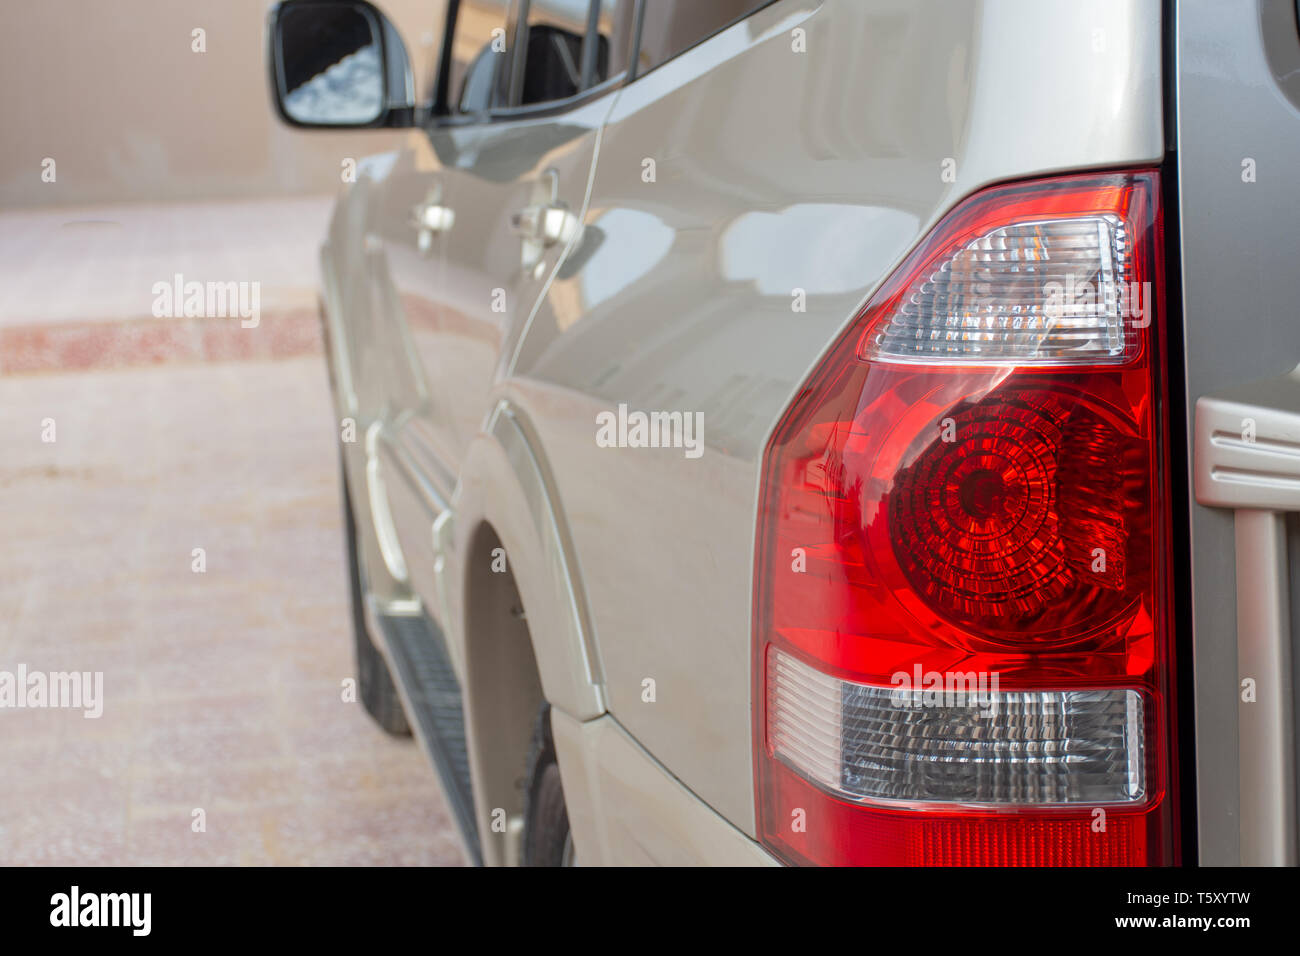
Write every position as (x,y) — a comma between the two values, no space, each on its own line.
(552,62)
(479,56)
(571,46)
(612,41)
(670,27)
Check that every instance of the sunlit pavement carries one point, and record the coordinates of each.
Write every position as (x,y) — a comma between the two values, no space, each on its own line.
(79,285)
(223,690)
(74,264)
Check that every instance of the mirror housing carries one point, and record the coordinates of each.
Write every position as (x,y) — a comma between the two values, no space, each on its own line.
(338,64)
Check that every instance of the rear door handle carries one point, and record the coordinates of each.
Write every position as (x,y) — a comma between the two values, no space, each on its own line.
(546,224)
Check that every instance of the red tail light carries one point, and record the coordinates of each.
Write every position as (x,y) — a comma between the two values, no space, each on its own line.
(962,639)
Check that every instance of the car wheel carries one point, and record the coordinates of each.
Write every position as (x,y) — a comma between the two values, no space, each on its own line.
(374,683)
(547,838)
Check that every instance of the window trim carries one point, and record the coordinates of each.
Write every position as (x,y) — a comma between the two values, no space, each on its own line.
(441,111)
(559,106)
(440,114)
(438,102)
(517,30)
(761,5)
(587,67)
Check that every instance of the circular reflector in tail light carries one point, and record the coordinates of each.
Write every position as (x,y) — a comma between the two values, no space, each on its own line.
(1011,517)
(973,521)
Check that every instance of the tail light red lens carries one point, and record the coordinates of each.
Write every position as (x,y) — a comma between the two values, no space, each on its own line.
(962,640)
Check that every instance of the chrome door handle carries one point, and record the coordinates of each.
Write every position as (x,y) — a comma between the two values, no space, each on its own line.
(433,217)
(546,224)
(543,223)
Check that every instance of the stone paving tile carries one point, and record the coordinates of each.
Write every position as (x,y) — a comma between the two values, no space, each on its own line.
(222,690)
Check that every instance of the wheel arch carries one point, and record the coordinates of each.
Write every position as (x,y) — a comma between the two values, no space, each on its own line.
(515,556)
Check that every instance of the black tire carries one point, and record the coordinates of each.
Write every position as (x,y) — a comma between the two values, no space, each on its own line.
(547,839)
(378,693)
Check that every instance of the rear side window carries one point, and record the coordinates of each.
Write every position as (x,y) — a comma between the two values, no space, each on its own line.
(671,27)
(479,56)
(571,46)
(553,51)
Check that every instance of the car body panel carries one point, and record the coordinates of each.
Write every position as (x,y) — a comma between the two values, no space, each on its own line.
(625,809)
(798,156)
(770,179)
(451,304)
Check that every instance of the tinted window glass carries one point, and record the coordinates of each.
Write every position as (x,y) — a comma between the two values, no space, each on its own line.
(479,56)
(614,26)
(553,51)
(674,26)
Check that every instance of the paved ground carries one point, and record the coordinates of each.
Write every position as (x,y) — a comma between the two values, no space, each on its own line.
(79,286)
(76,264)
(222,689)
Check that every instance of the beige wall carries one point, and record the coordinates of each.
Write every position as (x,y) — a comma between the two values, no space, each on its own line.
(111,90)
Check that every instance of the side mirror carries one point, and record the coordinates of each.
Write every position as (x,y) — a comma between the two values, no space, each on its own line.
(338,64)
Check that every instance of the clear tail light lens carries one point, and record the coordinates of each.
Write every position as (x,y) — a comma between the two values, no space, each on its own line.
(1045,292)
(965,744)
(962,650)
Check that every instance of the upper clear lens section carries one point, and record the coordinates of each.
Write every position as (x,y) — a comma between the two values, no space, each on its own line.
(961,741)
(1047,292)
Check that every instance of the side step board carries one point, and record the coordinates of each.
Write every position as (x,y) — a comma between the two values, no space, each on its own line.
(417,656)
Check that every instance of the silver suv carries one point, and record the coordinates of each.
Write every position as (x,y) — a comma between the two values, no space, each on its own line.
(824,431)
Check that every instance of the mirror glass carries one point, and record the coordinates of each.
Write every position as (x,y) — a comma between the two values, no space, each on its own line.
(331,71)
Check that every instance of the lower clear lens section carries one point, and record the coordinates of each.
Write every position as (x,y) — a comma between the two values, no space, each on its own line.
(955,738)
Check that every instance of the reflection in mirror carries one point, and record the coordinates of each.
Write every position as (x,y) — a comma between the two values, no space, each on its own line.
(331,70)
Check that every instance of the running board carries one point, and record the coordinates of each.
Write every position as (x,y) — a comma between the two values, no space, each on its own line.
(421,669)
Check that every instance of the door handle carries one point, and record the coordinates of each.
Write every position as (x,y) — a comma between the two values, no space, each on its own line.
(1247,458)
(541,226)
(432,216)
(544,223)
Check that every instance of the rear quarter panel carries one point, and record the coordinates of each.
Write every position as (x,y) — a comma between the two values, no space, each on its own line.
(806,148)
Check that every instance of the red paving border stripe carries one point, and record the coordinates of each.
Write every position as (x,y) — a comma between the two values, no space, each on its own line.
(76,346)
